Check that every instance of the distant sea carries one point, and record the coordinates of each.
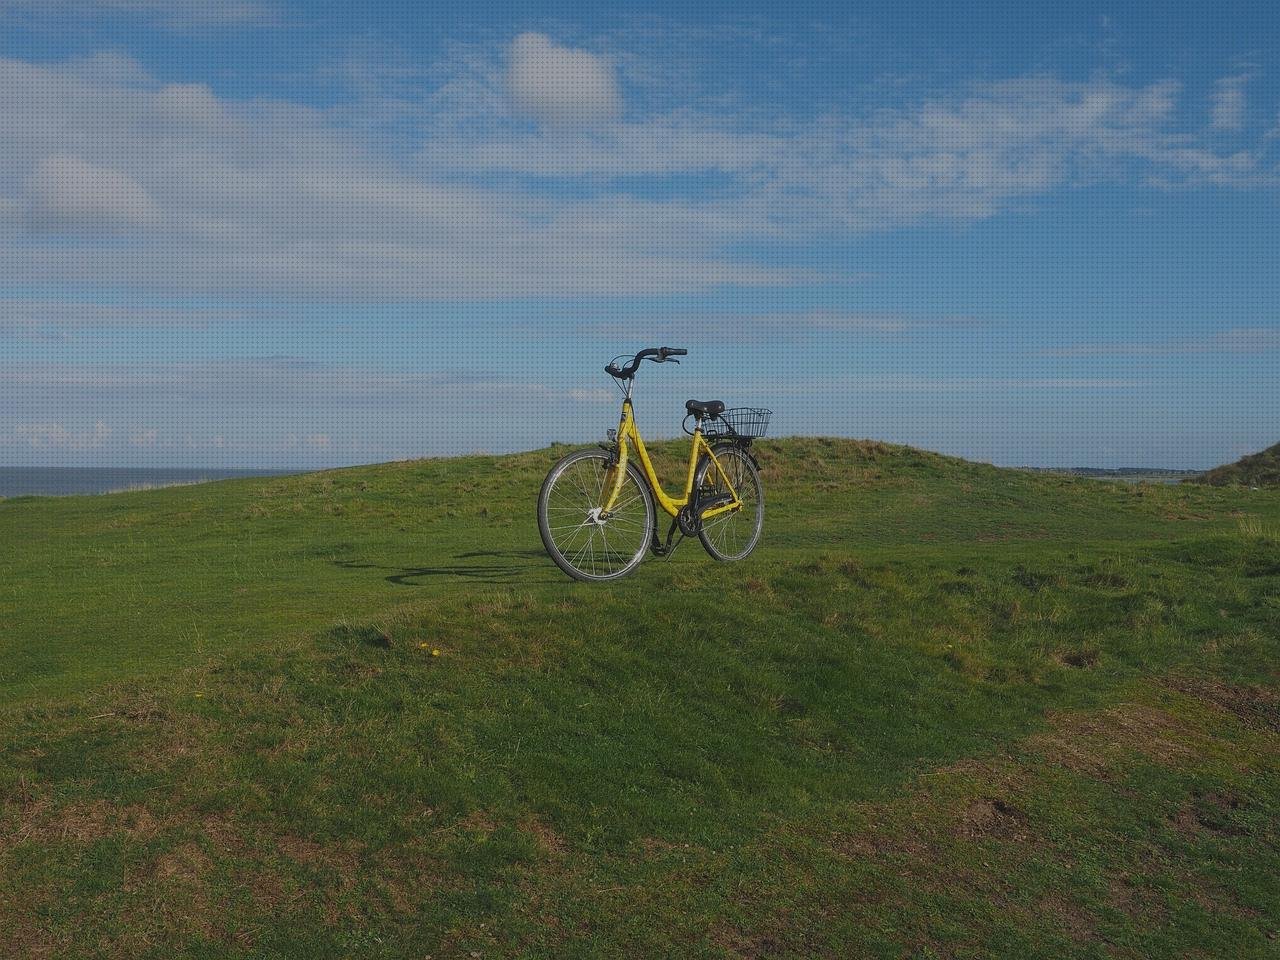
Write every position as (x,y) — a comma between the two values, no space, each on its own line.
(1122,474)
(64,481)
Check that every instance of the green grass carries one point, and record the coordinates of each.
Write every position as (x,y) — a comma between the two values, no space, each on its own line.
(945,710)
(1260,469)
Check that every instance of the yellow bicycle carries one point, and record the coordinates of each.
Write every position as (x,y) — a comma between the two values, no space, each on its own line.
(596,510)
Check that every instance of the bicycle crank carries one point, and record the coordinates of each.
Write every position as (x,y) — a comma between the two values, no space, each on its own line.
(689,520)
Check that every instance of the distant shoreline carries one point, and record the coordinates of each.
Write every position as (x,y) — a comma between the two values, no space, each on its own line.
(98,481)
(1123,474)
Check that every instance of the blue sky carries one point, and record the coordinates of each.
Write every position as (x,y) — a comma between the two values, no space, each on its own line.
(289,233)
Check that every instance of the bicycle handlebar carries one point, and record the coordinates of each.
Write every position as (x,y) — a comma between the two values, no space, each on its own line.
(656,354)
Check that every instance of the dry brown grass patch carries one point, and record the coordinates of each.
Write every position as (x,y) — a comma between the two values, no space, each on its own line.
(1089,743)
(1254,705)
(81,822)
(551,843)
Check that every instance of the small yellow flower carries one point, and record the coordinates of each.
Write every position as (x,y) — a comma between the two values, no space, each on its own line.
(199,695)
(423,646)
(435,653)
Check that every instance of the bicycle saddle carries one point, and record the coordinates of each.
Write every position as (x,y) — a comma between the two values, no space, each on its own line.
(705,408)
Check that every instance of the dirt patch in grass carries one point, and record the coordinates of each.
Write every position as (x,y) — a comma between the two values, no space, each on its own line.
(550,843)
(1215,812)
(1082,659)
(30,941)
(881,841)
(1255,705)
(339,861)
(223,835)
(1089,743)
(993,817)
(478,821)
(84,822)
(747,946)
(186,863)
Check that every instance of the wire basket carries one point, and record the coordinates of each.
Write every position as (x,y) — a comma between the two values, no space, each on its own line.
(744,422)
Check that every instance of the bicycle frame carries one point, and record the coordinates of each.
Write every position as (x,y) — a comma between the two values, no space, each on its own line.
(629,433)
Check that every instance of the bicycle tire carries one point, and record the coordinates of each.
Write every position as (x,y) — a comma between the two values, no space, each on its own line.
(575,486)
(730,537)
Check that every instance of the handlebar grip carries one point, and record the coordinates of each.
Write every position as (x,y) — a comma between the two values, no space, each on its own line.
(658,354)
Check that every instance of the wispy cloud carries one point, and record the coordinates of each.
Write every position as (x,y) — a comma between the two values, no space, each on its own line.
(172,14)
(911,387)
(253,381)
(272,198)
(50,321)
(1229,102)
(1244,340)
(53,435)
(781,326)
(66,194)
(114,180)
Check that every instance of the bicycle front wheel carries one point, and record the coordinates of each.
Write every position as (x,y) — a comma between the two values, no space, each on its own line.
(733,535)
(586,543)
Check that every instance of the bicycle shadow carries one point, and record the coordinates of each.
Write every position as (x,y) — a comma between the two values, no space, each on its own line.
(480,566)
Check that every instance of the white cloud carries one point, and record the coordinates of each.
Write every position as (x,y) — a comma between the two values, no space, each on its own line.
(63,321)
(774,327)
(175,191)
(66,194)
(560,85)
(57,436)
(252,382)
(1229,102)
(193,105)
(275,198)
(80,313)
(258,407)
(961,159)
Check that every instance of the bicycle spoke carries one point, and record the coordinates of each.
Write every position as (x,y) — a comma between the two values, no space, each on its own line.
(732,535)
(571,519)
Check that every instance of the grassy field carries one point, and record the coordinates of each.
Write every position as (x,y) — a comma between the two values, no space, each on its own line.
(944,711)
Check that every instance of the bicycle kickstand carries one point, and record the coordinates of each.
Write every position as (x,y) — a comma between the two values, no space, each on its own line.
(666,550)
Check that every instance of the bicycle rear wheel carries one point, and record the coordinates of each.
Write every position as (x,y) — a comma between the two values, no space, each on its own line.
(583,542)
(731,536)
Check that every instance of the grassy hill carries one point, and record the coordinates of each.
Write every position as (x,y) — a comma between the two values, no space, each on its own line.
(945,710)
(1260,469)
